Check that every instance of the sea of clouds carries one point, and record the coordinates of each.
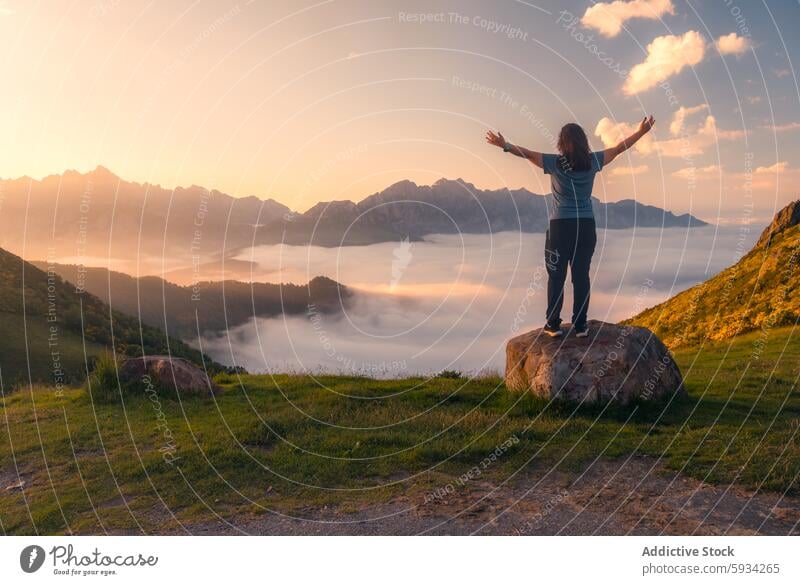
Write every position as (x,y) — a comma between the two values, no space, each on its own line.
(453,301)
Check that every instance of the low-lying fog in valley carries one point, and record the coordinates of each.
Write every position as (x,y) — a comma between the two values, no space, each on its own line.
(453,301)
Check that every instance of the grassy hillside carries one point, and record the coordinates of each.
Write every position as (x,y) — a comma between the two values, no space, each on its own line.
(48,331)
(15,360)
(211,306)
(258,446)
(761,291)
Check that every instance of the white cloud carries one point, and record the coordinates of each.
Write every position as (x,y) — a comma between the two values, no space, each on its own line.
(695,173)
(666,56)
(624,171)
(732,44)
(688,141)
(608,18)
(789,126)
(680,116)
(694,141)
(777,168)
(776,177)
(782,72)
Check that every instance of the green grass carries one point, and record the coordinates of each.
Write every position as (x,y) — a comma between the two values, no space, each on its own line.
(16,361)
(273,444)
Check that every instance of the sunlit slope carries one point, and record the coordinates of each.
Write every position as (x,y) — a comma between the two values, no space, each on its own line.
(761,291)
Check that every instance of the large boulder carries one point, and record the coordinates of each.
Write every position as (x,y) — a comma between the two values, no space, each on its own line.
(617,363)
(168,372)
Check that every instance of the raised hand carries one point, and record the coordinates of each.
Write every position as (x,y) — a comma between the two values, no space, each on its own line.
(647,124)
(609,154)
(495,139)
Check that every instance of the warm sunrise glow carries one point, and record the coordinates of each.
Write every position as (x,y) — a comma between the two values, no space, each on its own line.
(311,102)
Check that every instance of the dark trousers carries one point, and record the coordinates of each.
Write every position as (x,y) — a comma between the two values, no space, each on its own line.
(569,242)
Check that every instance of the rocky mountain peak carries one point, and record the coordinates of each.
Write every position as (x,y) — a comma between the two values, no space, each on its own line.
(786,218)
(332,210)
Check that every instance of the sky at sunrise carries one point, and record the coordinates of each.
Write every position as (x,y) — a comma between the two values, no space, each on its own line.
(306,101)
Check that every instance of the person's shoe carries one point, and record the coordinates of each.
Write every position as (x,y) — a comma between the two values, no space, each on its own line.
(552,330)
(581,331)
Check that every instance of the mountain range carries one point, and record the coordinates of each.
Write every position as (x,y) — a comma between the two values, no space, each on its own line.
(204,307)
(406,209)
(99,215)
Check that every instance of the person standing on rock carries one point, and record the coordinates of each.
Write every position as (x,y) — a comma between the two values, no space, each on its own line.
(571,236)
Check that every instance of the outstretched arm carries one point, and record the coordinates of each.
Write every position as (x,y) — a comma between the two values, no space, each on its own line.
(499,141)
(645,126)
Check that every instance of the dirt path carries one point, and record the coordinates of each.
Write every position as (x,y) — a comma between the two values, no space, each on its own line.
(626,496)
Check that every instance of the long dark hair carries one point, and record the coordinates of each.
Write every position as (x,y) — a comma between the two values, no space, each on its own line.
(574,148)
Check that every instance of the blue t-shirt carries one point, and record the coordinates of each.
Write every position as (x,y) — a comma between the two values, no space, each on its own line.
(571,190)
